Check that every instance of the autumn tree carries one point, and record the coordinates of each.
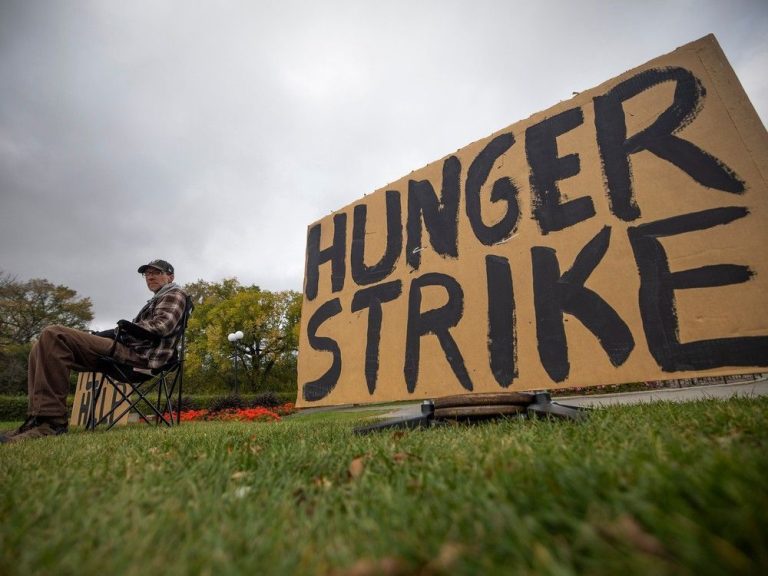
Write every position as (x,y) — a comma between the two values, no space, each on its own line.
(268,320)
(25,309)
(203,292)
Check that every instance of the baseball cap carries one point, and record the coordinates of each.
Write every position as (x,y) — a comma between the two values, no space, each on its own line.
(161,265)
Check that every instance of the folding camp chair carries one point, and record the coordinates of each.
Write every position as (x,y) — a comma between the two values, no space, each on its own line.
(148,393)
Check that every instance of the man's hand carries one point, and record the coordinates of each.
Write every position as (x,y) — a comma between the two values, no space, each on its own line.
(137,331)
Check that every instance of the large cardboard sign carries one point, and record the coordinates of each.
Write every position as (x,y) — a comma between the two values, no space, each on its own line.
(619,236)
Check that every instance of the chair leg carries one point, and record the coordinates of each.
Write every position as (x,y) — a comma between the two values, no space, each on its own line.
(180,376)
(170,391)
(137,399)
(90,422)
(159,393)
(133,404)
(167,405)
(96,390)
(111,414)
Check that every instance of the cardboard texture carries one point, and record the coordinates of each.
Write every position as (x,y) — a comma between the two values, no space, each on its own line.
(81,407)
(616,237)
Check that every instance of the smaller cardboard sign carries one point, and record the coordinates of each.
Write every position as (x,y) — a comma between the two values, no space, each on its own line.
(108,399)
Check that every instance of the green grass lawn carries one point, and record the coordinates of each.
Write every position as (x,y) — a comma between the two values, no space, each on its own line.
(649,489)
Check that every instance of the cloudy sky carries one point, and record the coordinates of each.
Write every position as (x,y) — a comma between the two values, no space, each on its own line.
(212,133)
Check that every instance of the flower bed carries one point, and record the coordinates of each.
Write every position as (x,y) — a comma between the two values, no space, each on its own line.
(257,414)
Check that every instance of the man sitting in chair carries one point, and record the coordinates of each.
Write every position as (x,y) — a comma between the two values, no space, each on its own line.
(60,349)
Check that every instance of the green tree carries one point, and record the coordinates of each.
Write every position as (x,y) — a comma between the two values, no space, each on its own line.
(203,292)
(28,307)
(269,321)
(25,309)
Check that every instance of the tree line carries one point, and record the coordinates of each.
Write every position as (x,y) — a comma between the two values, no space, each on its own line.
(266,355)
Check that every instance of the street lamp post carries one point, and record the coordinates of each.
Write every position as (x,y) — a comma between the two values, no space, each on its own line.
(235,337)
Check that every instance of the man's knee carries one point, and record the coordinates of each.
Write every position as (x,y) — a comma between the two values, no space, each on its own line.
(50,332)
(55,332)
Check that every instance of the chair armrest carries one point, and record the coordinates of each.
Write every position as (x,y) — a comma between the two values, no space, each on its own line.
(137,331)
(105,333)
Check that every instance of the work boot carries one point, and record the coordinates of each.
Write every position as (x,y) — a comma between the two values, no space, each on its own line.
(36,427)
(28,423)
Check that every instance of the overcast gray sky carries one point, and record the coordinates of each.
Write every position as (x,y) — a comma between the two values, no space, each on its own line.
(212,133)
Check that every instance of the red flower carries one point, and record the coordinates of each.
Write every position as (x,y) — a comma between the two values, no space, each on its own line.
(249,414)
(258,413)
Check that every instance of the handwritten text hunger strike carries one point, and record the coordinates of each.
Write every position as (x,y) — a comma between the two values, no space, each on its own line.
(559,288)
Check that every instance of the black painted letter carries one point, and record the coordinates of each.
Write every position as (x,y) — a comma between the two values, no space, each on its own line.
(320,388)
(658,138)
(437,322)
(657,296)
(372,299)
(547,168)
(502,341)
(554,295)
(503,189)
(362,274)
(440,216)
(336,253)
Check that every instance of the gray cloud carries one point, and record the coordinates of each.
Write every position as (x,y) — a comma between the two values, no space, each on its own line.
(211,134)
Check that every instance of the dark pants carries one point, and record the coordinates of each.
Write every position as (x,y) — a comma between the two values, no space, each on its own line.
(58,351)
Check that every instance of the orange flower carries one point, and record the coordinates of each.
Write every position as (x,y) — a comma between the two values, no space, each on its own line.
(258,413)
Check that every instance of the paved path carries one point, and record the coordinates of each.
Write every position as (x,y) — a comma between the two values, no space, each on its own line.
(756,388)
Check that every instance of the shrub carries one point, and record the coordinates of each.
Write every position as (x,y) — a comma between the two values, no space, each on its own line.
(266,400)
(13,408)
(227,403)
(13,368)
(190,403)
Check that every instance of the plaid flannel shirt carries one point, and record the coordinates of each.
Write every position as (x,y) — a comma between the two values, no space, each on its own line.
(161,316)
